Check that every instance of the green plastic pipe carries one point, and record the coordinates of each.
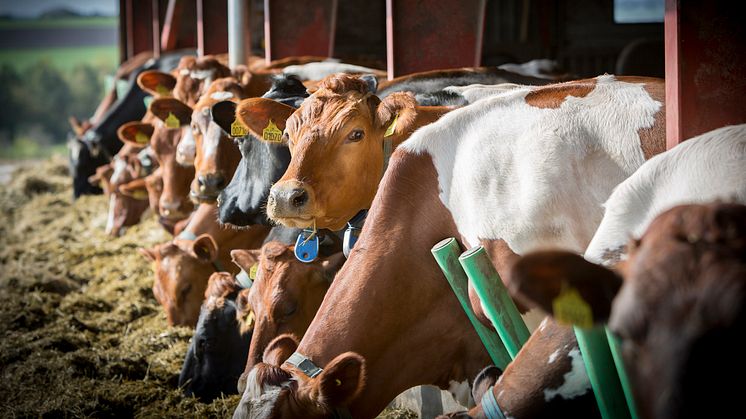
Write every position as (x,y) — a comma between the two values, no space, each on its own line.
(446,254)
(601,370)
(496,301)
(616,353)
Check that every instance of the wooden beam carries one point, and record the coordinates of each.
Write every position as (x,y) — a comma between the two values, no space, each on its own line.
(705,67)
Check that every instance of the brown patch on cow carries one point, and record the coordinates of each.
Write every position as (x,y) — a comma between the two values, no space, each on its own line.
(189,89)
(226,84)
(653,139)
(553,95)
(220,285)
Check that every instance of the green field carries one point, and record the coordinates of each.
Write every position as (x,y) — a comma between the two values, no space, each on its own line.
(70,22)
(63,58)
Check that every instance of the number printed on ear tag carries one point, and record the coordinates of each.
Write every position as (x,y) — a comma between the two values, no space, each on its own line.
(307,246)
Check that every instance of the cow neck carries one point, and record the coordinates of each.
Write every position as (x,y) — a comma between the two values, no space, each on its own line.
(391,277)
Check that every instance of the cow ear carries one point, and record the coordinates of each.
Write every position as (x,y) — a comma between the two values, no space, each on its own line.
(166,109)
(342,379)
(135,133)
(396,113)
(245,258)
(560,280)
(484,380)
(157,83)
(332,264)
(224,113)
(280,349)
(260,114)
(205,248)
(149,254)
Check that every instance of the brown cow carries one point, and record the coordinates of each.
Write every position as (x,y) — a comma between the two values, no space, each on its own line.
(184,265)
(514,172)
(174,201)
(216,154)
(337,140)
(285,294)
(679,306)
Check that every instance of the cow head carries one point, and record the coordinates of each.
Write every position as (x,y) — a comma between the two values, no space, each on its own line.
(182,268)
(677,303)
(336,139)
(216,154)
(286,292)
(173,120)
(282,397)
(194,76)
(218,349)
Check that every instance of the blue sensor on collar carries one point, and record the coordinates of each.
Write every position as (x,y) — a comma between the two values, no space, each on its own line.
(307,249)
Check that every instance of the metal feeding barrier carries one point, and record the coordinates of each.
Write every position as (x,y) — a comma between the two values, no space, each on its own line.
(599,347)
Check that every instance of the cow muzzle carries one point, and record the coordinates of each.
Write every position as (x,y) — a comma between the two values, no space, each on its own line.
(291,203)
(206,188)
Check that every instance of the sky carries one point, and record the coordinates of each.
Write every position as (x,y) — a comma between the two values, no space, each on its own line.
(32,8)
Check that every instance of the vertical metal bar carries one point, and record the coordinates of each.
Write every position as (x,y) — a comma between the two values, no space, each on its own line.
(237,42)
(267,34)
(390,39)
(496,301)
(200,29)
(599,365)
(333,25)
(673,85)
(130,29)
(616,353)
(156,29)
(446,254)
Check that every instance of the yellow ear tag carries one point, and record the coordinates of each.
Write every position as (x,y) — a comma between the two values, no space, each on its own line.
(172,121)
(162,90)
(238,130)
(570,308)
(140,195)
(252,271)
(141,138)
(390,130)
(272,133)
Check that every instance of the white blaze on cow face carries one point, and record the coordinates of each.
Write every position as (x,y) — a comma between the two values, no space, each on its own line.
(119,167)
(186,148)
(576,380)
(536,176)
(702,169)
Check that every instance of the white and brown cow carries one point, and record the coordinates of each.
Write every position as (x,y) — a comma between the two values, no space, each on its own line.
(523,170)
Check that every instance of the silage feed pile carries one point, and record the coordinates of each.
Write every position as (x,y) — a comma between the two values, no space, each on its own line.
(81,334)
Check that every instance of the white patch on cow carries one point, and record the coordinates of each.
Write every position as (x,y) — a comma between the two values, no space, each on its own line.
(184,72)
(119,167)
(210,144)
(202,74)
(576,380)
(475,92)
(186,148)
(461,392)
(705,168)
(110,217)
(553,356)
(537,177)
(543,324)
(221,95)
(319,70)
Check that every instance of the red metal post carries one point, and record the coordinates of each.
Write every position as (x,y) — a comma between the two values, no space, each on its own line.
(425,35)
(705,67)
(156,29)
(299,28)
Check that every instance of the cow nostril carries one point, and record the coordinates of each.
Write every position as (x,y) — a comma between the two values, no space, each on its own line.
(220,182)
(298,197)
(201,180)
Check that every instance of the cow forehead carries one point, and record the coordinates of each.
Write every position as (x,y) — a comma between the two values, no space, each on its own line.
(328,113)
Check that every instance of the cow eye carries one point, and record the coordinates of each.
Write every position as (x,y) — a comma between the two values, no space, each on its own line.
(356,136)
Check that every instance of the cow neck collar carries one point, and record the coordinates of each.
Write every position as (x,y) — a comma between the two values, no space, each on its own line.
(490,407)
(311,370)
(188,235)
